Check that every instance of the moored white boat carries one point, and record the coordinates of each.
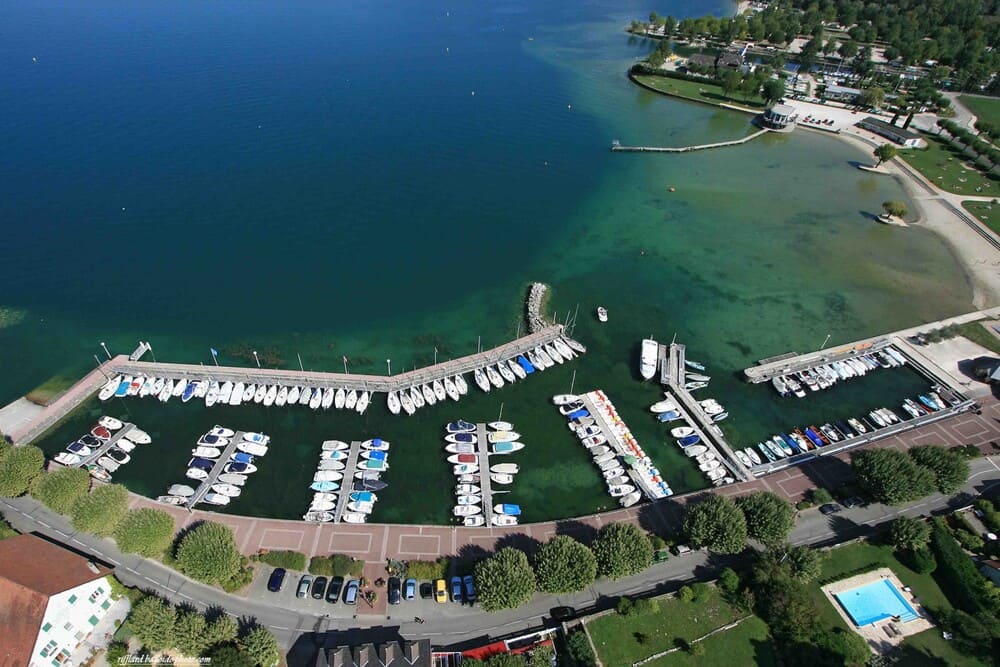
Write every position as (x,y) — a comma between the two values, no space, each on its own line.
(320,517)
(230,490)
(392,402)
(339,398)
(206,452)
(451,389)
(335,445)
(563,399)
(647,358)
(67,459)
(481,380)
(363,401)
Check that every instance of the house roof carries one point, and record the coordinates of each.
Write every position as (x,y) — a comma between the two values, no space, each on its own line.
(391,654)
(31,571)
(886,129)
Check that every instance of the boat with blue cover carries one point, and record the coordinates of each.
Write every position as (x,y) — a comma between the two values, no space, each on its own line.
(668,416)
(577,414)
(813,437)
(364,497)
(928,402)
(124,386)
(189,391)
(241,457)
(459,438)
(689,440)
(507,509)
(324,486)
(792,443)
(199,462)
(460,426)
(374,455)
(506,447)
(525,364)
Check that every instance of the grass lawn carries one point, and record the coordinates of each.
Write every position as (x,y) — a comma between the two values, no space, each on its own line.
(926,648)
(699,90)
(948,168)
(749,643)
(984,212)
(50,390)
(985,108)
(616,637)
(975,332)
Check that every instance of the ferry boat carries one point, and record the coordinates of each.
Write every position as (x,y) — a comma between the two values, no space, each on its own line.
(647,358)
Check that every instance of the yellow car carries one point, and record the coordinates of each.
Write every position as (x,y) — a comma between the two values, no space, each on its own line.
(440,591)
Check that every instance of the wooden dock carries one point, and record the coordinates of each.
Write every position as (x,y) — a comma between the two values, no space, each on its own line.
(347,482)
(614,441)
(617,147)
(103,449)
(485,483)
(217,469)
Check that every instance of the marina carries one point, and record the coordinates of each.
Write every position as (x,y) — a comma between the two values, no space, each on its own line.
(468,447)
(223,460)
(104,449)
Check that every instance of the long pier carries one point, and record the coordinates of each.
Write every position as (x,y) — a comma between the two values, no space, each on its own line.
(103,449)
(346,381)
(614,441)
(213,475)
(618,148)
(485,483)
(703,424)
(347,481)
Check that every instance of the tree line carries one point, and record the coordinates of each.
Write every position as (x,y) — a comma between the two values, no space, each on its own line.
(982,149)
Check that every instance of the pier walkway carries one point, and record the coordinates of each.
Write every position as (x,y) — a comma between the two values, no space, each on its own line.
(611,433)
(618,148)
(213,475)
(485,483)
(347,481)
(103,449)
(707,429)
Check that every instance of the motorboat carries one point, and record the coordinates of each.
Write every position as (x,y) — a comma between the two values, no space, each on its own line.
(506,447)
(469,500)
(339,398)
(281,398)
(715,473)
(293,395)
(663,406)
(68,459)
(461,448)
(335,446)
(743,458)
(230,490)
(372,464)
(305,395)
(196,473)
(172,500)
(508,509)
(376,445)
(327,476)
(79,449)
(110,423)
(179,387)
(535,361)
(466,510)
(602,314)
(857,425)
(620,479)
(362,508)
(101,433)
(467,489)
(830,432)
(139,383)
(215,499)
(462,458)
(417,397)
(233,478)
(697,377)
(508,468)
(318,517)
(123,387)
(270,396)
(324,485)
(570,408)
(609,464)
(241,457)
(754,457)
(206,452)
(210,440)
(222,432)
(406,402)
(90,441)
(594,440)
(242,468)
(190,391)
(392,402)
(108,463)
(648,353)
(316,399)
(501,426)
(670,416)
(607,456)
(462,438)
(252,448)
(367,474)
(501,478)
(374,455)
(495,379)
(695,450)
(258,438)
(460,426)
(327,400)
(119,455)
(619,490)
(630,499)
(363,497)
(576,346)
(877,418)
(689,440)
(611,473)
(322,505)
(155,388)
(327,464)
(201,462)
(504,520)
(451,389)
(465,469)
(718,417)
(481,380)
(212,395)
(682,431)
(503,436)
(582,420)
(109,388)
(474,521)
(369,485)
(564,399)
(320,496)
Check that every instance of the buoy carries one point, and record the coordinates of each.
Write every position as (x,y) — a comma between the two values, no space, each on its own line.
(673,189)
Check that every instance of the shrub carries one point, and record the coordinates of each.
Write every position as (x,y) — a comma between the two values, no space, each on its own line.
(967,451)
(240,579)
(991,517)
(6,530)
(116,651)
(921,561)
(622,549)
(147,532)
(820,496)
(646,606)
(729,581)
(337,565)
(428,569)
(685,594)
(625,606)
(18,468)
(950,469)
(208,553)
(657,542)
(696,649)
(100,511)
(290,560)
(701,591)
(505,580)
(563,565)
(969,541)
(968,589)
(717,523)
(60,489)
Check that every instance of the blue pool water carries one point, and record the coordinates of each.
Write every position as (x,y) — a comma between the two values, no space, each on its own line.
(875,602)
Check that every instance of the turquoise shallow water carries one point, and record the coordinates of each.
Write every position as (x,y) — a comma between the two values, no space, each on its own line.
(332,187)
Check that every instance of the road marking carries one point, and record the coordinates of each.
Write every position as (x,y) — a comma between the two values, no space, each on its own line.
(40,522)
(76,541)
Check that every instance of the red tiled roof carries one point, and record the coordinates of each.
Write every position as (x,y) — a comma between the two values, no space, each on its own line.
(32,570)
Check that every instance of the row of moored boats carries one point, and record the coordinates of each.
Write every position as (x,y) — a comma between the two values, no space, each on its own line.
(462,450)
(104,449)
(225,483)
(690,442)
(824,376)
(329,482)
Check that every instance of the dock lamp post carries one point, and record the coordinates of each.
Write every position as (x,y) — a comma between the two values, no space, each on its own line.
(825,341)
(105,348)
(256,358)
(388,366)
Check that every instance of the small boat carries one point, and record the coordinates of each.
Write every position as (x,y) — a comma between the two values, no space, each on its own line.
(649,351)
(155,387)
(630,499)
(830,432)
(715,473)
(506,373)
(293,395)
(517,369)
(451,389)
(79,449)
(215,499)
(535,361)
(682,431)
(754,457)
(607,456)
(191,390)
(376,445)
(462,458)
(460,448)
(326,464)
(241,457)
(501,478)
(318,517)
(417,397)
(207,452)
(689,440)
(271,395)
(508,509)
(327,476)
(236,396)
(564,399)
(258,438)
(602,314)
(597,451)
(670,416)
(123,387)
(392,402)
(506,447)
(172,500)
(474,521)
(372,464)
(611,473)
(233,478)
(619,490)
(877,418)
(339,398)
(242,468)
(697,377)
(508,468)
(563,348)
(110,423)
(305,395)
(407,402)
(465,469)
(335,446)
(351,400)
(213,394)
(461,385)
(466,510)
(322,505)
(718,417)
(501,426)
(467,489)
(663,406)
(744,459)
(570,408)
(857,425)
(503,436)
(609,464)
(252,448)
(200,462)
(696,450)
(324,485)
(90,441)
(109,388)
(210,440)
(369,485)
(495,379)
(460,426)
(438,388)
(364,400)
(581,420)
(374,455)
(108,463)
(459,438)
(504,520)
(320,496)
(327,399)
(68,459)
(469,500)
(260,393)
(363,497)
(481,380)
(316,399)
(354,517)
(196,473)
(553,353)
(230,490)
(361,508)
(594,440)
(249,392)
(101,433)
(428,394)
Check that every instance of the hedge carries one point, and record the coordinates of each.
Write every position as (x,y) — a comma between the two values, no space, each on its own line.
(290,560)
(960,578)
(337,565)
(428,569)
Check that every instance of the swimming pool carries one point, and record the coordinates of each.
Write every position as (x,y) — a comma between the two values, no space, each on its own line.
(875,602)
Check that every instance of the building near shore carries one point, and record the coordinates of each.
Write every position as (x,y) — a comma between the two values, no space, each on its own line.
(50,601)
(841,94)
(779,117)
(895,134)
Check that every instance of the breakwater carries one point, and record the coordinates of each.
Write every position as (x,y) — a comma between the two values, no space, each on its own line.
(533,307)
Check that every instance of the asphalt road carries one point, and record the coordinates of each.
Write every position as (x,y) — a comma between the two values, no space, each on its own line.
(300,625)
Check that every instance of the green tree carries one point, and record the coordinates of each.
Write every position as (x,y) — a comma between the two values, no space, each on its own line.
(950,469)
(147,532)
(208,553)
(669,25)
(891,476)
(504,580)
(773,90)
(820,496)
(872,97)
(189,631)
(229,655)
(622,549)
(152,621)
(894,207)
(909,534)
(717,523)
(729,581)
(221,630)
(100,511)
(541,657)
(18,469)
(769,518)
(60,489)
(730,82)
(848,49)
(563,565)
(579,652)
(884,153)
(261,646)
(804,563)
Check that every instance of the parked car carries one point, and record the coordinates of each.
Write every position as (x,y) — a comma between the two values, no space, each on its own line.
(319,588)
(333,590)
(351,592)
(304,583)
(456,589)
(426,590)
(440,591)
(562,613)
(410,589)
(830,508)
(853,501)
(394,590)
(276,580)
(470,588)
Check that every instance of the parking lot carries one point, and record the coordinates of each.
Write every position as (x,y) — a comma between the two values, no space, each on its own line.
(406,609)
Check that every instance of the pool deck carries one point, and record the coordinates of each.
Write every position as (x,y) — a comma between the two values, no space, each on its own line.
(882,636)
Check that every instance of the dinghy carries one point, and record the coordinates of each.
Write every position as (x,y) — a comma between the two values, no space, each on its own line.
(318,517)
(207,452)
(474,521)
(506,447)
(563,399)
(335,445)
(505,468)
(233,478)
(171,500)
(376,444)
(501,426)
(230,490)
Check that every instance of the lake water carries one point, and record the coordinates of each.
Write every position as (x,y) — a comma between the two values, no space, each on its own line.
(377,181)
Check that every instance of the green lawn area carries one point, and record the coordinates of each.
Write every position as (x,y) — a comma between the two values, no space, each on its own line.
(926,648)
(699,90)
(986,108)
(948,168)
(616,637)
(50,390)
(984,212)
(749,643)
